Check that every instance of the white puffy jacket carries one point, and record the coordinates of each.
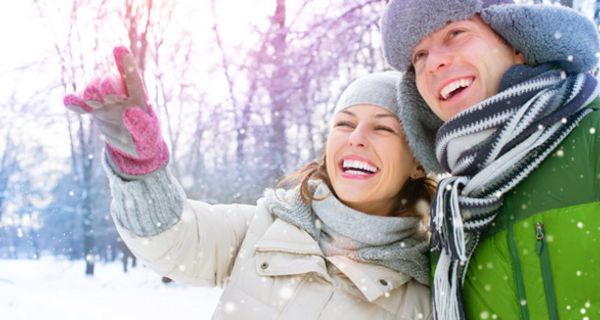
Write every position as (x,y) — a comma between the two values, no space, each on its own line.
(271,269)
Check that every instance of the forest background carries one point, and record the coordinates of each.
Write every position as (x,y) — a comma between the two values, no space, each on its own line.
(243,89)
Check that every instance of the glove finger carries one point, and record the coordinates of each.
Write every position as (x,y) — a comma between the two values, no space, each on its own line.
(144,129)
(75,103)
(118,53)
(134,84)
(92,90)
(112,86)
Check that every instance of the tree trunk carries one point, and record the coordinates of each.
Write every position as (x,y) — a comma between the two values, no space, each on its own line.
(597,12)
(87,214)
(278,84)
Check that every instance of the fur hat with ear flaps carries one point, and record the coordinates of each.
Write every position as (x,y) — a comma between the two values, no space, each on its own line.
(543,33)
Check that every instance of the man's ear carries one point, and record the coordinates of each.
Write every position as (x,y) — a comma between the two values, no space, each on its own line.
(519,56)
(418,173)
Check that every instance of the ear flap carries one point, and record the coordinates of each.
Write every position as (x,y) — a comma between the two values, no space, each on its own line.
(545,33)
(420,124)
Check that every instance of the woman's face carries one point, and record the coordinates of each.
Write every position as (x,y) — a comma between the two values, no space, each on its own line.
(368,159)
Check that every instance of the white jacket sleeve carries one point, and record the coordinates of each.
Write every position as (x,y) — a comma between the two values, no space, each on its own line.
(188,241)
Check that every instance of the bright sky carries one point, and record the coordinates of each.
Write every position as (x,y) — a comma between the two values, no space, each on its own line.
(28,39)
(20,35)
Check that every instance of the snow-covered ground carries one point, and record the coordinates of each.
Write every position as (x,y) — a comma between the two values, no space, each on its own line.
(56,289)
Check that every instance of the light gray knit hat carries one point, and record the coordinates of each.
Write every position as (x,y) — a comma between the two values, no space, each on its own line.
(543,33)
(377,89)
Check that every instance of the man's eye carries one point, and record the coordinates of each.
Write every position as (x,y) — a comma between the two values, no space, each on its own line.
(455,32)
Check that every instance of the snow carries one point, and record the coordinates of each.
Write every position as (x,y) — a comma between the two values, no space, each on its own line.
(58,289)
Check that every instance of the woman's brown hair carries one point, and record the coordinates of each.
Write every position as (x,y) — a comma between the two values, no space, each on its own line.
(413,191)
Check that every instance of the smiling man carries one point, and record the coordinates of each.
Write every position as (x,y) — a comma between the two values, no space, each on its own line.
(502,97)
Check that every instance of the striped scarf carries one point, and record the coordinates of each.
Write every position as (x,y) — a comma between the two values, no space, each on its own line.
(490,148)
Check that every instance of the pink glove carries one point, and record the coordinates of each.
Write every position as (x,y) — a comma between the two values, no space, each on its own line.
(121,110)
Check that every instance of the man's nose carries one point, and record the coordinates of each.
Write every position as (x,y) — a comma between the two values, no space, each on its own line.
(438,58)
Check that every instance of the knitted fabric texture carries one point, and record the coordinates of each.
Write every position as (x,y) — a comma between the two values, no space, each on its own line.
(151,151)
(377,89)
(146,206)
(489,149)
(120,108)
(394,242)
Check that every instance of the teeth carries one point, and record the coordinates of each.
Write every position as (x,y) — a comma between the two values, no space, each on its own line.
(449,88)
(356,164)
(356,172)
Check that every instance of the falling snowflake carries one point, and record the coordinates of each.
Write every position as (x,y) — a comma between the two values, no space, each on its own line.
(523,302)
(286,293)
(229,307)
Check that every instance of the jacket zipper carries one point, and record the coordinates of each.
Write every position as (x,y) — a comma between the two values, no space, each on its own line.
(544,255)
(512,246)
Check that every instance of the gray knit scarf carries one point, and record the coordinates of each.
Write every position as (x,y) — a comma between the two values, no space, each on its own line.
(490,148)
(393,242)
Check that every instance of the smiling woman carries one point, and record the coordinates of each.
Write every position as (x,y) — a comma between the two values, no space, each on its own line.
(362,171)
(351,219)
(217,106)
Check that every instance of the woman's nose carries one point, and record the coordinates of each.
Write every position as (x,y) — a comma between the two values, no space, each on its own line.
(358,137)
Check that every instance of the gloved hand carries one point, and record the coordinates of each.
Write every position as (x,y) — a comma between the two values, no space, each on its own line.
(121,110)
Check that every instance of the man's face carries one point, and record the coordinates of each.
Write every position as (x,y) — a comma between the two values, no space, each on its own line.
(461,65)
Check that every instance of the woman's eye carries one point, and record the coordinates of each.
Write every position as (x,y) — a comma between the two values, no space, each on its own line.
(344,124)
(383,128)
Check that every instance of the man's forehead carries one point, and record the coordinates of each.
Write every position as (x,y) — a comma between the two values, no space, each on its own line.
(476,19)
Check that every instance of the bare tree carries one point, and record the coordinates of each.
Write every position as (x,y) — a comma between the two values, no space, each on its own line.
(8,166)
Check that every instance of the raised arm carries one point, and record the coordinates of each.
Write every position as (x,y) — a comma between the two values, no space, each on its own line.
(186,240)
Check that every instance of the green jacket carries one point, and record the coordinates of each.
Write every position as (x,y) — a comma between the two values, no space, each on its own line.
(541,259)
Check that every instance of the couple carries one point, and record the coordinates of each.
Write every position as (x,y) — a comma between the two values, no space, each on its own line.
(497,94)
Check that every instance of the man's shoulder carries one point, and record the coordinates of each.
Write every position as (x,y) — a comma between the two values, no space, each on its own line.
(595,104)
(589,126)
